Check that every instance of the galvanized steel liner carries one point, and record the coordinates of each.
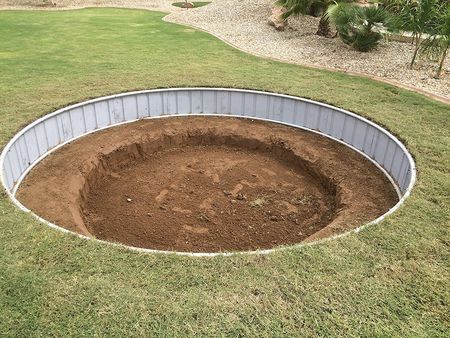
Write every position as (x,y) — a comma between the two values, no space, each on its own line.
(36,140)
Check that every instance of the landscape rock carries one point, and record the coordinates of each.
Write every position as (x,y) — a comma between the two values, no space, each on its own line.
(276,18)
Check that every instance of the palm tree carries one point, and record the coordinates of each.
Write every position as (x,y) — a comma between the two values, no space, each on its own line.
(314,7)
(418,17)
(359,27)
(438,43)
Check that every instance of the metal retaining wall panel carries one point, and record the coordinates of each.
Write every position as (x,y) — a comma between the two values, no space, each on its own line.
(48,133)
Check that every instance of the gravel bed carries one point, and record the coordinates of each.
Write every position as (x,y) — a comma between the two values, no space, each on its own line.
(244,25)
(157,5)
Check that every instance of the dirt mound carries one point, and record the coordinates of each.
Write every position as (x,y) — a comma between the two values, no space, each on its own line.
(206,185)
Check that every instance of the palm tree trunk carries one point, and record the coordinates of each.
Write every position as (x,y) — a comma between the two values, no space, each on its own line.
(324,28)
(416,50)
(441,63)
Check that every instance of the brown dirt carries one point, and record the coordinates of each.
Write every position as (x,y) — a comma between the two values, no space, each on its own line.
(206,185)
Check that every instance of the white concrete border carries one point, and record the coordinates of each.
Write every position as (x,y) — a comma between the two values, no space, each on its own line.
(49,133)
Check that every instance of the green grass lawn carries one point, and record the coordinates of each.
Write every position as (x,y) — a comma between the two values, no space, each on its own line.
(392,279)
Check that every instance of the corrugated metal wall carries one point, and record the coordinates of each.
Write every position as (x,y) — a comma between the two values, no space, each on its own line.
(36,140)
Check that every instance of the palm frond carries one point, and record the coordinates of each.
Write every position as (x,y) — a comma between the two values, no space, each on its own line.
(358,26)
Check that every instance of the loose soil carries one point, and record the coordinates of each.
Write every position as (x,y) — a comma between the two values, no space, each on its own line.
(206,184)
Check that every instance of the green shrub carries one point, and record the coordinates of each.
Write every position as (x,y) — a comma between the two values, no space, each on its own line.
(357,26)
(311,7)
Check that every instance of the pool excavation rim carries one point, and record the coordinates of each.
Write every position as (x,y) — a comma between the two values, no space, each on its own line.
(167,113)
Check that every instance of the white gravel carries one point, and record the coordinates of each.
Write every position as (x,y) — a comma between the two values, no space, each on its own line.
(243,23)
(157,5)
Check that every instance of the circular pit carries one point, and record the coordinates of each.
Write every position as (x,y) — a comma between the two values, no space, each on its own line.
(204,184)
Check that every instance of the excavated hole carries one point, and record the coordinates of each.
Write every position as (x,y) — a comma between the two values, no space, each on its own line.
(221,198)
(200,186)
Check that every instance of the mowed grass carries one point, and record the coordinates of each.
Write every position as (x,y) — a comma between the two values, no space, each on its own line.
(391,279)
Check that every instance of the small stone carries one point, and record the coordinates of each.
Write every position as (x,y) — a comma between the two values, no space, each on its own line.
(227,193)
(187,5)
(257,203)
(241,197)
(129,200)
(274,218)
